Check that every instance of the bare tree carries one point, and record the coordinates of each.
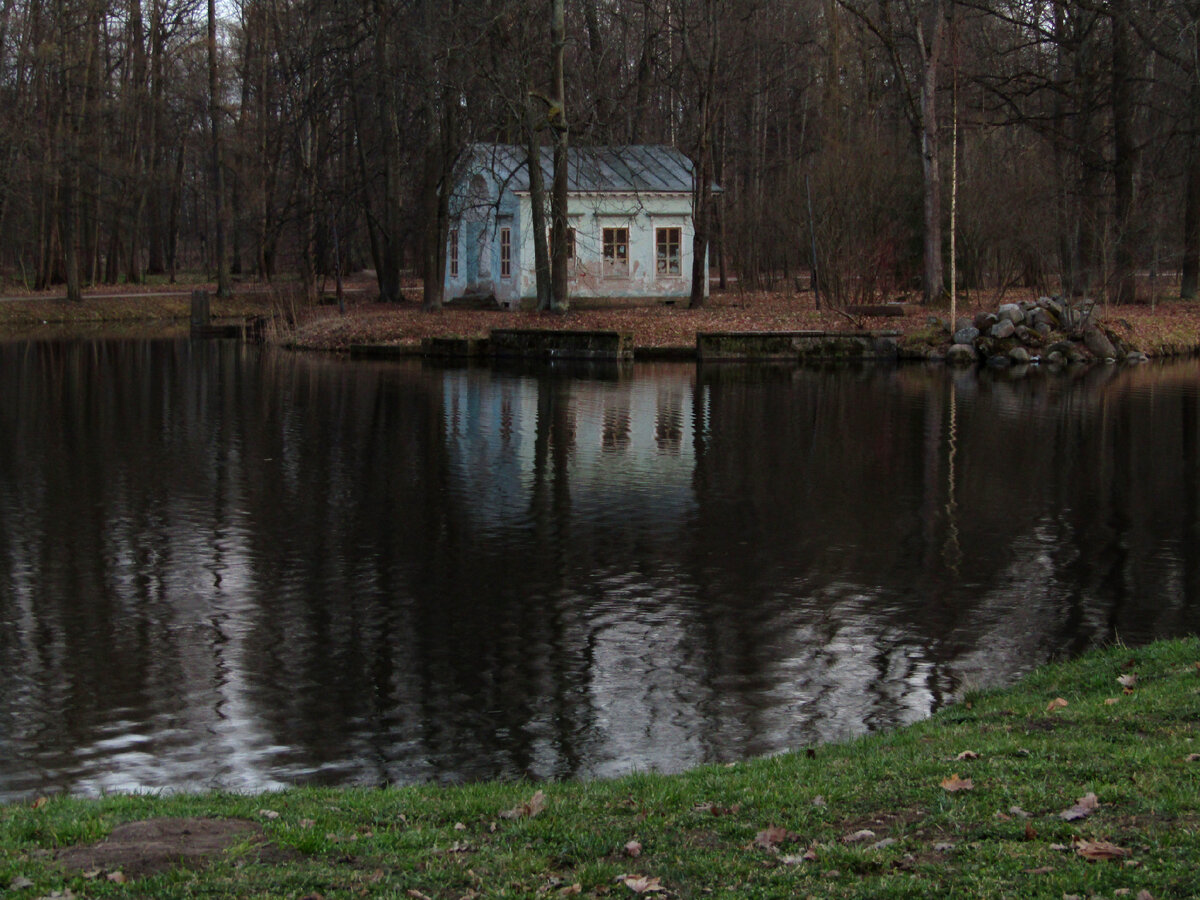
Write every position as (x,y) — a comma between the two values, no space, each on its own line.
(912,34)
(224,288)
(559,293)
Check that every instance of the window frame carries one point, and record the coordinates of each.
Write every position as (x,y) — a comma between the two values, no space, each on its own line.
(453,252)
(506,252)
(662,251)
(614,264)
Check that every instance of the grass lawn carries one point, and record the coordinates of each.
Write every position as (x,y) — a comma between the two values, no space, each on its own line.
(1082,780)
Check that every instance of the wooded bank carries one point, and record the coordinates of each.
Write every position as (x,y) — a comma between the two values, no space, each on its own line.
(282,138)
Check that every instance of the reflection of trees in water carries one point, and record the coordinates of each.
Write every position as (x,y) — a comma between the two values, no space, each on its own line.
(317,570)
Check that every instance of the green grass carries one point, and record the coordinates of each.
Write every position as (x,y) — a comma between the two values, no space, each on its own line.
(698,830)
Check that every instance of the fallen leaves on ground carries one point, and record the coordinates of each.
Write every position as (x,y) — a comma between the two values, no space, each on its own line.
(642,884)
(967,754)
(633,849)
(955,783)
(809,855)
(716,810)
(1128,680)
(528,809)
(1099,850)
(1084,807)
(865,834)
(773,835)
(1056,704)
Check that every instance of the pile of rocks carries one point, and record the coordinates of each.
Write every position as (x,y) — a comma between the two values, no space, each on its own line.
(1047,331)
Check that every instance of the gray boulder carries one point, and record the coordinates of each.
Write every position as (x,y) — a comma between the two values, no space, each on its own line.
(1012,312)
(1019,356)
(1098,344)
(985,320)
(1003,329)
(966,335)
(961,355)
(1028,336)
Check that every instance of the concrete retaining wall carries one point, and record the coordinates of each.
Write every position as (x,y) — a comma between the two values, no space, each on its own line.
(550,344)
(795,346)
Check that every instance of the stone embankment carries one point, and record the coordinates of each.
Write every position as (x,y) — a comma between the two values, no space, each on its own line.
(1047,331)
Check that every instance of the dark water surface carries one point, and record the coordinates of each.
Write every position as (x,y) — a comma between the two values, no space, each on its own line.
(226,567)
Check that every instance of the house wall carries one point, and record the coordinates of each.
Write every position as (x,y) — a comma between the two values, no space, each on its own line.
(475,220)
(641,214)
(479,221)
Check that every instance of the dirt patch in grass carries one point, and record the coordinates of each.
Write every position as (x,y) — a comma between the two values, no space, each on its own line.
(882,823)
(151,846)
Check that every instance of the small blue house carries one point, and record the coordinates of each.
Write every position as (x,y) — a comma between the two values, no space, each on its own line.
(630,229)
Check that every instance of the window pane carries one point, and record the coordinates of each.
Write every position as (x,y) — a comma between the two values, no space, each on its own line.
(616,251)
(667,258)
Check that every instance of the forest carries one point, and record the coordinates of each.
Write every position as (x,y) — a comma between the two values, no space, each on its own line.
(266,140)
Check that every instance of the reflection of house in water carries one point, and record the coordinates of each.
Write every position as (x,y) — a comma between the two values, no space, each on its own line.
(628,442)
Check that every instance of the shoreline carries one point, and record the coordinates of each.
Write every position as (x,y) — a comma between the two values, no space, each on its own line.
(659,331)
(1081,779)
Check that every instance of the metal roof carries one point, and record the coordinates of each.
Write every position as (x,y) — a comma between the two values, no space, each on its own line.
(632,167)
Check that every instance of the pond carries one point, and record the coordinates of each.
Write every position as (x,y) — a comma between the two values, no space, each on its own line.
(229,567)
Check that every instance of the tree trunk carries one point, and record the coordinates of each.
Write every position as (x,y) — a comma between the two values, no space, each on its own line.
(1190,287)
(435,230)
(224,289)
(558,200)
(537,206)
(934,283)
(701,218)
(174,201)
(1124,150)
(69,237)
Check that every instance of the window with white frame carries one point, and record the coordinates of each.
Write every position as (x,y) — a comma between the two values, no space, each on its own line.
(616,252)
(453,252)
(667,257)
(505,252)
